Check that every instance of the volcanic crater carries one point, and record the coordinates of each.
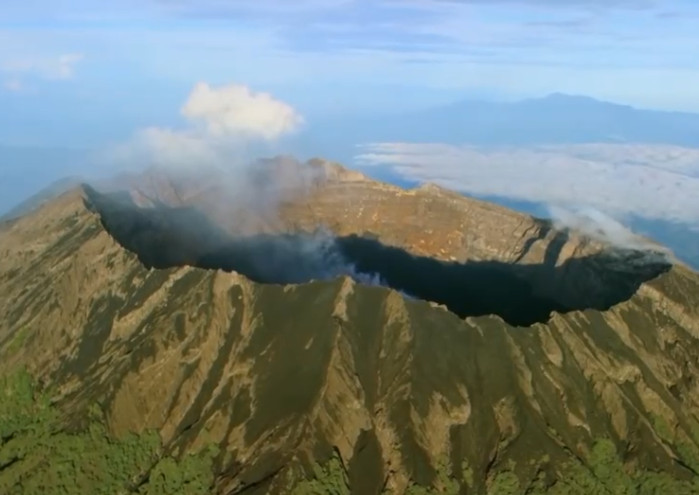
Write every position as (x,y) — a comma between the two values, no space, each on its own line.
(521,294)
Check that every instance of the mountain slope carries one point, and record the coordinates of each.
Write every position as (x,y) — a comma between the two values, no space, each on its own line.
(49,192)
(387,394)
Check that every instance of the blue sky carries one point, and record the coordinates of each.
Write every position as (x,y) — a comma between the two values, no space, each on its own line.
(78,72)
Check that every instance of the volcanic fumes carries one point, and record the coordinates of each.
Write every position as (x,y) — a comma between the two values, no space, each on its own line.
(164,237)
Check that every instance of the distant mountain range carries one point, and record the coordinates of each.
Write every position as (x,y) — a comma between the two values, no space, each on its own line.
(555,119)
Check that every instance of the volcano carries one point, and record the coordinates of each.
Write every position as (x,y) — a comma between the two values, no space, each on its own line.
(333,334)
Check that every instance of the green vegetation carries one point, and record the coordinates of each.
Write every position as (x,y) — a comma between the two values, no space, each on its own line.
(602,474)
(38,456)
(445,482)
(686,448)
(192,474)
(606,475)
(330,479)
(18,340)
(505,483)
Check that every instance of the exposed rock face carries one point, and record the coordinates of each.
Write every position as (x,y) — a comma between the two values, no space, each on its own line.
(283,375)
(429,220)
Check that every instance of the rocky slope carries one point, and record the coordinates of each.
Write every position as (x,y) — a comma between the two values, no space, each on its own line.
(283,194)
(335,383)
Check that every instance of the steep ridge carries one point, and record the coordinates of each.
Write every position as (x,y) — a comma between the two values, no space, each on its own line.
(399,393)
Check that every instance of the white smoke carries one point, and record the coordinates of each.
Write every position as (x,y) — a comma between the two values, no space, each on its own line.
(329,262)
(305,257)
(223,123)
(602,227)
(179,150)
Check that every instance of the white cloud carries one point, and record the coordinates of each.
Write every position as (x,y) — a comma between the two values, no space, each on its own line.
(14,85)
(651,181)
(64,68)
(223,122)
(235,110)
(220,8)
(59,67)
(521,48)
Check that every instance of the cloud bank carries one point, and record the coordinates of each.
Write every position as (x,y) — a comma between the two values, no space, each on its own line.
(619,180)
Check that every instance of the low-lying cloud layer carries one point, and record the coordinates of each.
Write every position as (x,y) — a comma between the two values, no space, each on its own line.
(651,181)
(222,122)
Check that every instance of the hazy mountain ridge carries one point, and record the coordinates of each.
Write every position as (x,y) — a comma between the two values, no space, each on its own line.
(554,119)
(404,392)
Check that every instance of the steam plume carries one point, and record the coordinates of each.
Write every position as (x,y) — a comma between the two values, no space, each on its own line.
(223,125)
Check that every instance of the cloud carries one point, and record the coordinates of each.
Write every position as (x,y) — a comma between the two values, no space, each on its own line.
(235,110)
(61,67)
(598,225)
(222,122)
(607,4)
(218,8)
(651,181)
(517,48)
(588,46)
(13,85)
(85,9)
(64,68)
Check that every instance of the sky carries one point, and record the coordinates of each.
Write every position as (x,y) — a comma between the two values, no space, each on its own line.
(102,69)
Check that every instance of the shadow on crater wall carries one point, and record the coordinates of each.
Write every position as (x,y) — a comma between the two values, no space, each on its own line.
(520,294)
(163,237)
